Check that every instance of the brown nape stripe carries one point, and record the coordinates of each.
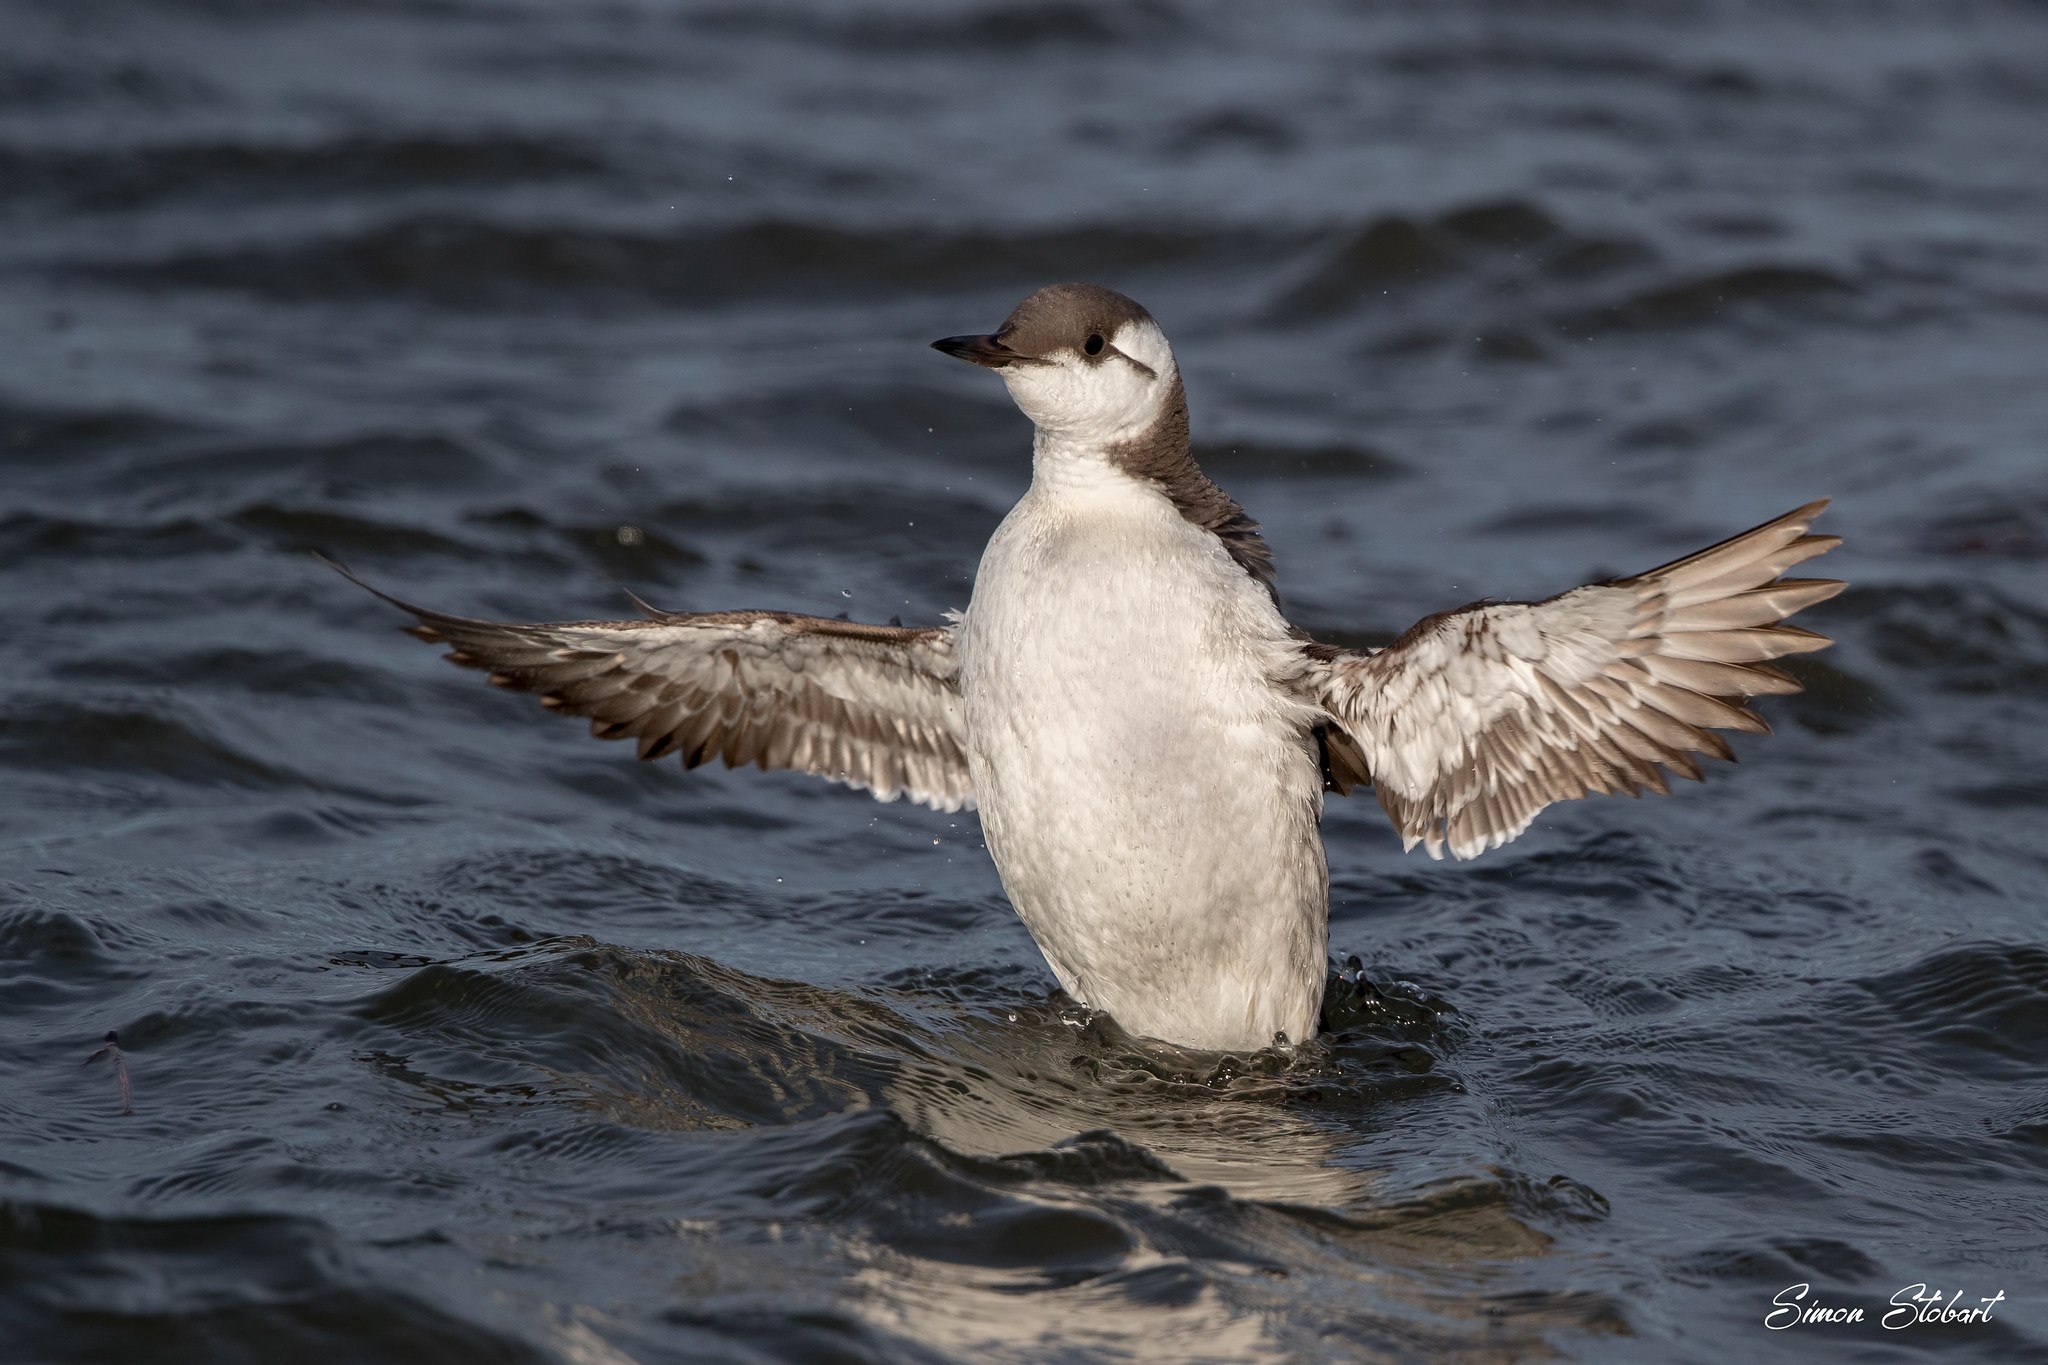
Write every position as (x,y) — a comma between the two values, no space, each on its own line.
(1161,456)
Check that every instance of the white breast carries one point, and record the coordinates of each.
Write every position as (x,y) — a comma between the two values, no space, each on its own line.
(1148,794)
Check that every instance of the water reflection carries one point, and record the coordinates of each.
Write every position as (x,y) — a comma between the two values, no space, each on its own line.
(1000,1163)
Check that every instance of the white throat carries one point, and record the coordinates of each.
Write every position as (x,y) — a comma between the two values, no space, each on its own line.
(1092,403)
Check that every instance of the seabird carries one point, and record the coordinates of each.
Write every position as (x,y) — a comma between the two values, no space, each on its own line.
(1146,736)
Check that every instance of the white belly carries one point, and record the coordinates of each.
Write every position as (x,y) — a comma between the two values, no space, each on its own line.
(1150,798)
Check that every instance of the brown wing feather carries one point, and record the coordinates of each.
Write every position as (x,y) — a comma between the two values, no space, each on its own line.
(1476,719)
(875,707)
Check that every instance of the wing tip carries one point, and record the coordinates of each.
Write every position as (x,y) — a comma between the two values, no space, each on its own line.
(649,610)
(427,616)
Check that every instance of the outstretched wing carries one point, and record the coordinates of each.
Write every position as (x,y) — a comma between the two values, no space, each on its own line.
(875,707)
(1477,719)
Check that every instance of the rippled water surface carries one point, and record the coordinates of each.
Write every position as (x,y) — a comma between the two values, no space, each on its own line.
(454,1035)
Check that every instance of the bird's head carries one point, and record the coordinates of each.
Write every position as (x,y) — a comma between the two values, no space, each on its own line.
(1083,362)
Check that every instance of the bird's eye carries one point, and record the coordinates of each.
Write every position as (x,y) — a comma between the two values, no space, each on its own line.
(1093,346)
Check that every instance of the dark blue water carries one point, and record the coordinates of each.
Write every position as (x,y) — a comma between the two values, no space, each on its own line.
(454,1035)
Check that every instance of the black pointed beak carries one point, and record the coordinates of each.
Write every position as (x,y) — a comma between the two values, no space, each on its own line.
(979,351)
